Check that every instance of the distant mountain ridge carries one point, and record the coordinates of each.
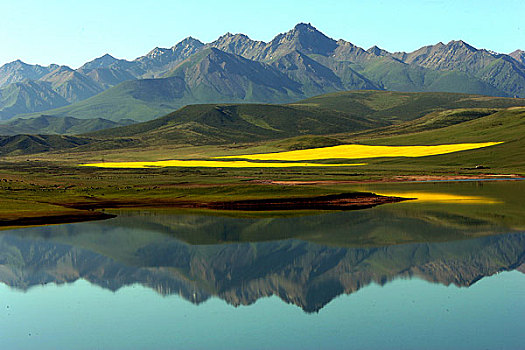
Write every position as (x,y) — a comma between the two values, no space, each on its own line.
(298,64)
(26,97)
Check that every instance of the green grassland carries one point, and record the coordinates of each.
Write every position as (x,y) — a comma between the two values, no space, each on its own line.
(41,189)
(42,173)
(507,126)
(326,114)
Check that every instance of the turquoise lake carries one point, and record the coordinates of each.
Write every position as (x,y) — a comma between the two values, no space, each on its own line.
(444,272)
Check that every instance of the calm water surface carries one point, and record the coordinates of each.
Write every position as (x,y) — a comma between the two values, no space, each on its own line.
(442,272)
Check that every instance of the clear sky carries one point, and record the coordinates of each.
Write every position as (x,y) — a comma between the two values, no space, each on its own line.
(75,31)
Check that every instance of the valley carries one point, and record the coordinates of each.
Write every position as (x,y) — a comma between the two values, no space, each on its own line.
(262,175)
(205,153)
(247,120)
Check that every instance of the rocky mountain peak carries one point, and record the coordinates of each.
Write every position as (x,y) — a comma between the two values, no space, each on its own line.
(229,38)
(518,55)
(63,69)
(239,44)
(189,41)
(185,49)
(460,44)
(103,61)
(15,64)
(156,52)
(342,42)
(107,57)
(308,27)
(226,35)
(304,38)
(377,51)
(17,71)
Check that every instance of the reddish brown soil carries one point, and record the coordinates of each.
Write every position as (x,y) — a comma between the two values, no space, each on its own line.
(407,178)
(344,201)
(54,219)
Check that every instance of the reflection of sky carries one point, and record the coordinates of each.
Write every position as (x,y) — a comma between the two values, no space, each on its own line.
(408,314)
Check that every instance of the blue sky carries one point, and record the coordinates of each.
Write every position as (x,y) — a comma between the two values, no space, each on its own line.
(75,31)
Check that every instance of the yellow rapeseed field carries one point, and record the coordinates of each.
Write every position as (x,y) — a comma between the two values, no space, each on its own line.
(335,152)
(209,164)
(363,152)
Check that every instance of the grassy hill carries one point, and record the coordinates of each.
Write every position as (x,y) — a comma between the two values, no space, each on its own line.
(369,117)
(506,125)
(57,125)
(212,124)
(396,107)
(326,114)
(135,99)
(28,144)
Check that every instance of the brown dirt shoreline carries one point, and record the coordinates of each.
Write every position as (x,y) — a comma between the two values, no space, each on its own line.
(407,178)
(87,210)
(54,219)
(342,201)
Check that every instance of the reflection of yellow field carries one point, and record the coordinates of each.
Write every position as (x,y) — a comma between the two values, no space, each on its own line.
(364,151)
(442,197)
(209,164)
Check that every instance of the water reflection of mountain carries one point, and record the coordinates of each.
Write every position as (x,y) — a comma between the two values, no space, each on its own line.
(371,227)
(306,274)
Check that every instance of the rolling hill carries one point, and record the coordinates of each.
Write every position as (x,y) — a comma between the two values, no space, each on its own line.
(455,126)
(322,115)
(28,144)
(57,125)
(397,107)
(216,124)
(370,117)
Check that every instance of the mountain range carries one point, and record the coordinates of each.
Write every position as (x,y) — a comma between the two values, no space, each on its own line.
(298,64)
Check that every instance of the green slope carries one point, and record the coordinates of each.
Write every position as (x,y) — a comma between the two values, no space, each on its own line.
(57,125)
(507,126)
(210,124)
(394,75)
(28,144)
(357,116)
(322,115)
(396,107)
(136,99)
(25,97)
